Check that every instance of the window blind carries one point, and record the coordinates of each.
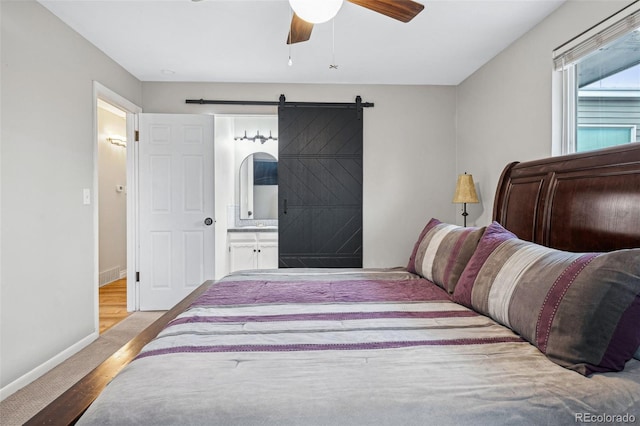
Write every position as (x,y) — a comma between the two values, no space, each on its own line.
(598,36)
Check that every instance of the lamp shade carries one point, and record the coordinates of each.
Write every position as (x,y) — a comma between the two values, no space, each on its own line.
(316,11)
(465,190)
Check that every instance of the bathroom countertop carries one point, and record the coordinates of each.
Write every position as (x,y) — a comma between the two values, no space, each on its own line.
(254,229)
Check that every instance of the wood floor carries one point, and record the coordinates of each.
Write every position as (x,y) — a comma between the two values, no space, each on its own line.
(113,304)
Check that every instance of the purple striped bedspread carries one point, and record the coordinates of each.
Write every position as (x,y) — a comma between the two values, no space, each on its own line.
(348,347)
(355,311)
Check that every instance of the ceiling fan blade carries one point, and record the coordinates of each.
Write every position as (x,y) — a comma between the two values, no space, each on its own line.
(300,30)
(402,10)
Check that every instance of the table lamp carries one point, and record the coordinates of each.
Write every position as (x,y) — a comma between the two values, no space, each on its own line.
(465,193)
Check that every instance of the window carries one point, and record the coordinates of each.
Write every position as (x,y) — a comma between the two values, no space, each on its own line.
(590,137)
(601,84)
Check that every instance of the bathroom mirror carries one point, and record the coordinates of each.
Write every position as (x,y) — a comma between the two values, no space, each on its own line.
(259,187)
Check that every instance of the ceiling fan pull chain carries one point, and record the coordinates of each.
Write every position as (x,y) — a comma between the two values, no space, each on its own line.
(333,65)
(290,62)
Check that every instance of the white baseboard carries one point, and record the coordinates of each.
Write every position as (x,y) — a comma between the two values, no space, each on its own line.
(43,368)
(123,273)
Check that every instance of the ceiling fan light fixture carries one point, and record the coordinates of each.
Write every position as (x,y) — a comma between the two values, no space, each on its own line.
(316,11)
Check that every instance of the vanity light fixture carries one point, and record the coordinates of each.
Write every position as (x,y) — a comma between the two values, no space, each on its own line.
(118,140)
(257,137)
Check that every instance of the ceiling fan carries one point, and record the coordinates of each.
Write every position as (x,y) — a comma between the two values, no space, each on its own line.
(306,13)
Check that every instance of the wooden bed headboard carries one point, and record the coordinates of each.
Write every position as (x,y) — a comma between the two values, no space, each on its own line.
(580,202)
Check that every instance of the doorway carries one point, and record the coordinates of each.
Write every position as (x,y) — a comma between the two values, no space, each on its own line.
(114,129)
(112,213)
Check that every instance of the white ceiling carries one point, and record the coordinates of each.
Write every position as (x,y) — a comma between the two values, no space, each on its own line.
(244,40)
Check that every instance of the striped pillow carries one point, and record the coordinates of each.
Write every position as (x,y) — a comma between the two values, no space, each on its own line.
(581,309)
(442,251)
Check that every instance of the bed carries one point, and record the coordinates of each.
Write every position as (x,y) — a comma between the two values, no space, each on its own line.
(532,319)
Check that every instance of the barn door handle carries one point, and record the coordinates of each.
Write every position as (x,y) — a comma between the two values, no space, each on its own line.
(285,206)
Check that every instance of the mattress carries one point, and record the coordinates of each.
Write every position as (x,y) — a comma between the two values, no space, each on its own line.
(350,347)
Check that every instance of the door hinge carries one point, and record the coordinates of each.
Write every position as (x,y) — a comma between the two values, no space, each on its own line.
(137,277)
(137,136)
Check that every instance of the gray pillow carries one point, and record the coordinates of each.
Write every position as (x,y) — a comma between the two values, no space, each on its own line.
(582,310)
(442,252)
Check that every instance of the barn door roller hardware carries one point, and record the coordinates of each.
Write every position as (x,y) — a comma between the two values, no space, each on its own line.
(282,103)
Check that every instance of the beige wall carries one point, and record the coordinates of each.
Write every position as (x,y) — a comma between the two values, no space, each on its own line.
(48,251)
(409,150)
(504,110)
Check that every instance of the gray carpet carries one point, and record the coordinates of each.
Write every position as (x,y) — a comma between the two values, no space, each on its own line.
(23,404)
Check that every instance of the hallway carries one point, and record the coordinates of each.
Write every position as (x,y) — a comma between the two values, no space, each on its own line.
(113,304)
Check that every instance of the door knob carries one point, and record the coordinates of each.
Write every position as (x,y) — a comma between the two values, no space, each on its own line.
(208,221)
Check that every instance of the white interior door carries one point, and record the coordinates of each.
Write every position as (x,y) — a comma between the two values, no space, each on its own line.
(176,187)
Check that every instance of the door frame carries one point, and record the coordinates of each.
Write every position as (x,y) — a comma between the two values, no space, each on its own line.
(102,92)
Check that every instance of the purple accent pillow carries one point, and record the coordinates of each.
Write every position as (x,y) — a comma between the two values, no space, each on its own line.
(442,252)
(582,310)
